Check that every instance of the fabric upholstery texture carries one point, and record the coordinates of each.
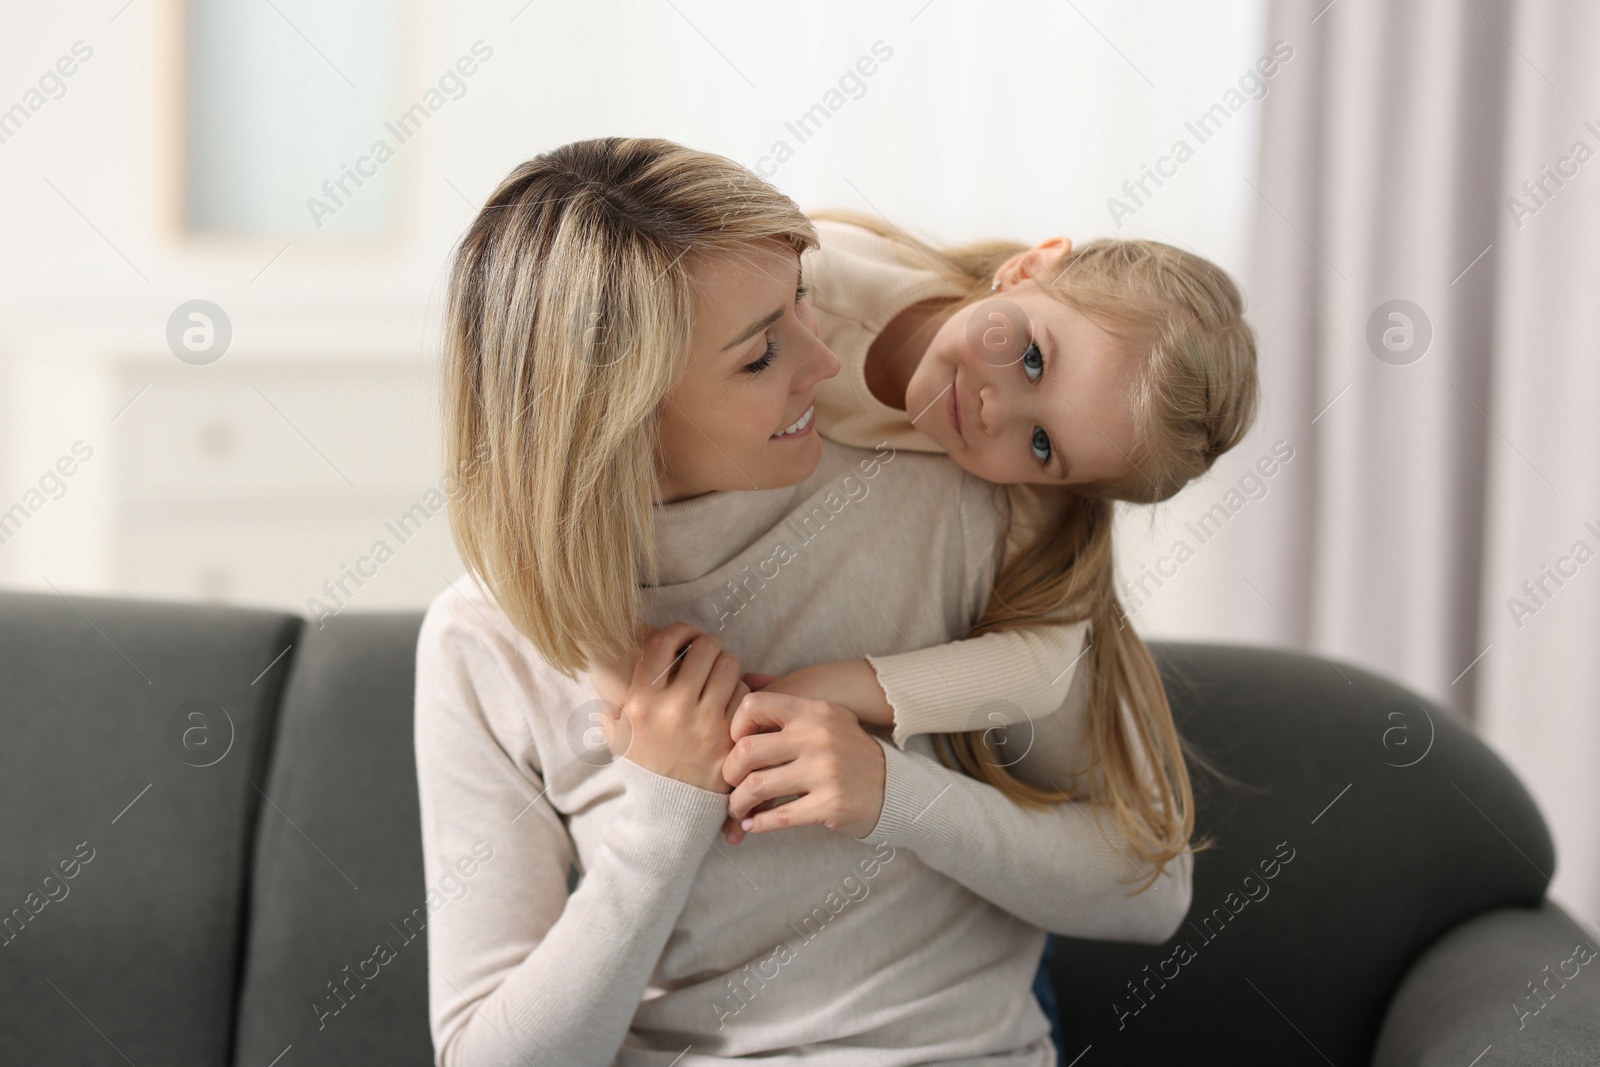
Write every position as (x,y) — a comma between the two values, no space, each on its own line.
(1375,886)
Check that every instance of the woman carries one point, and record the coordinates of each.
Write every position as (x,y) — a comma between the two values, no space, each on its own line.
(628,363)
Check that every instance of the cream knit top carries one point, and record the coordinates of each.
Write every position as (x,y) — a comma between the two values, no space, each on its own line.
(915,944)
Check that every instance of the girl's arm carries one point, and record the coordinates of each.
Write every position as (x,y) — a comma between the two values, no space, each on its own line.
(518,971)
(998,679)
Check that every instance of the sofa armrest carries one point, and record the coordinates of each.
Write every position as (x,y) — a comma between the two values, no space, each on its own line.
(1525,981)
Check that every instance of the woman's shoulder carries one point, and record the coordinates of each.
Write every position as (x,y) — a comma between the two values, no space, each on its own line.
(466,637)
(462,608)
(922,490)
(480,679)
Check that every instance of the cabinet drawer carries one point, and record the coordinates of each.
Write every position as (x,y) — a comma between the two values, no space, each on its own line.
(282,560)
(329,428)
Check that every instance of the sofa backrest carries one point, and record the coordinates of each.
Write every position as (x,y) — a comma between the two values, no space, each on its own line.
(136,735)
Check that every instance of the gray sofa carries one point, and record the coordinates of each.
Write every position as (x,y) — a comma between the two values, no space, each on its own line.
(210,825)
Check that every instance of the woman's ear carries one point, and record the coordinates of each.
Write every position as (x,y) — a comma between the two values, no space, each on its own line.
(1041,261)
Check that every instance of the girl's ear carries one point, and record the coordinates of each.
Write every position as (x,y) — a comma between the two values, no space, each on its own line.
(1041,262)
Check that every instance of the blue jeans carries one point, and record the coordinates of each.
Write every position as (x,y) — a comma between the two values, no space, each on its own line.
(1047,994)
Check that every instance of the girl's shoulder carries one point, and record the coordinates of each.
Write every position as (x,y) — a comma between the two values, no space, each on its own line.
(860,280)
(841,238)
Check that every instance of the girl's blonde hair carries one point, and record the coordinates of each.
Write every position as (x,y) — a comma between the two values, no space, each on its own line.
(1194,398)
(567,324)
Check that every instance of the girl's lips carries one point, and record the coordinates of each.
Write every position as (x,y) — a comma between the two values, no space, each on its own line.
(953,408)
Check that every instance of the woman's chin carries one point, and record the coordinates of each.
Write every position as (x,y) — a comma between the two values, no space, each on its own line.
(792,462)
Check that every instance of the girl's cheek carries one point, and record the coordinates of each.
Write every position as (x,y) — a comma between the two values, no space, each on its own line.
(987,464)
(956,335)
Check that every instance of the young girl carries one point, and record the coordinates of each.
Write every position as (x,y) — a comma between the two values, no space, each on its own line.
(1119,370)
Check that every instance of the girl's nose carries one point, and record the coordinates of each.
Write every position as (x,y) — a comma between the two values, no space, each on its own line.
(993,408)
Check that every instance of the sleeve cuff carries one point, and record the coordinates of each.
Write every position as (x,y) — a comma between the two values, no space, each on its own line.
(910,799)
(675,817)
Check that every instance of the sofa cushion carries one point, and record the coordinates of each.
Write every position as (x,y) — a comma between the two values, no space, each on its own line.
(135,734)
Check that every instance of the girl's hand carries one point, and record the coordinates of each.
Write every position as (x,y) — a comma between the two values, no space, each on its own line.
(813,750)
(676,715)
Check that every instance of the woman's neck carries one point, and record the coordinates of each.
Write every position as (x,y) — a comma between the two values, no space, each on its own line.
(897,351)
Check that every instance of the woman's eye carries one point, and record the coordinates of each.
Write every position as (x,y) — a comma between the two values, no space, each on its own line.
(1041,445)
(765,361)
(1032,361)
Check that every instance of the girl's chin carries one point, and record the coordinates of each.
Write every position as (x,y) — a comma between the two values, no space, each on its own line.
(917,399)
(926,412)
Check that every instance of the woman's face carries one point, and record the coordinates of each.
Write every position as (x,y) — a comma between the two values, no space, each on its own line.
(742,416)
(1023,388)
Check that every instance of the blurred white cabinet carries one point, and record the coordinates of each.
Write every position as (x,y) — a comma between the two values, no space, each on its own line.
(280,482)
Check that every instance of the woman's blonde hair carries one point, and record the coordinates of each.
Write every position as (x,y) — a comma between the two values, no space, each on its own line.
(567,324)
(1194,398)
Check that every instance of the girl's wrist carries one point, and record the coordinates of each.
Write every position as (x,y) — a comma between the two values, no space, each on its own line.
(874,708)
(851,684)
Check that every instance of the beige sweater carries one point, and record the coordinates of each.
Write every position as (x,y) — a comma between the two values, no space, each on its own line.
(916,944)
(859,281)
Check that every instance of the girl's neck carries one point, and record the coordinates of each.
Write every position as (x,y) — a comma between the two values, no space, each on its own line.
(897,351)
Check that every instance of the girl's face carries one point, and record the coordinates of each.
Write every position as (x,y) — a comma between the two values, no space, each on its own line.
(1023,388)
(742,416)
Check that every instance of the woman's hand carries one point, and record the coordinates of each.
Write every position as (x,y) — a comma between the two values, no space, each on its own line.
(611,678)
(810,749)
(675,719)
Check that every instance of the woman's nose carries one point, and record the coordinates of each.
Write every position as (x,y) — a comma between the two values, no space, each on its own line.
(821,363)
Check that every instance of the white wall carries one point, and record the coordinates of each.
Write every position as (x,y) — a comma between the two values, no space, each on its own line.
(257,477)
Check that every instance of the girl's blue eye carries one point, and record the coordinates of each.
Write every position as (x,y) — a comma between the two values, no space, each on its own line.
(765,361)
(1033,361)
(1041,445)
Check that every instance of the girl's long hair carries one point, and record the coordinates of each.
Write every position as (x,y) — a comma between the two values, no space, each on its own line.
(567,324)
(1194,398)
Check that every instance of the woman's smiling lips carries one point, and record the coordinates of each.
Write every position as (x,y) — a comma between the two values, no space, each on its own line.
(800,427)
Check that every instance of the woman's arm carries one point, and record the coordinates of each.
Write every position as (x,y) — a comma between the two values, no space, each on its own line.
(518,971)
(1067,869)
